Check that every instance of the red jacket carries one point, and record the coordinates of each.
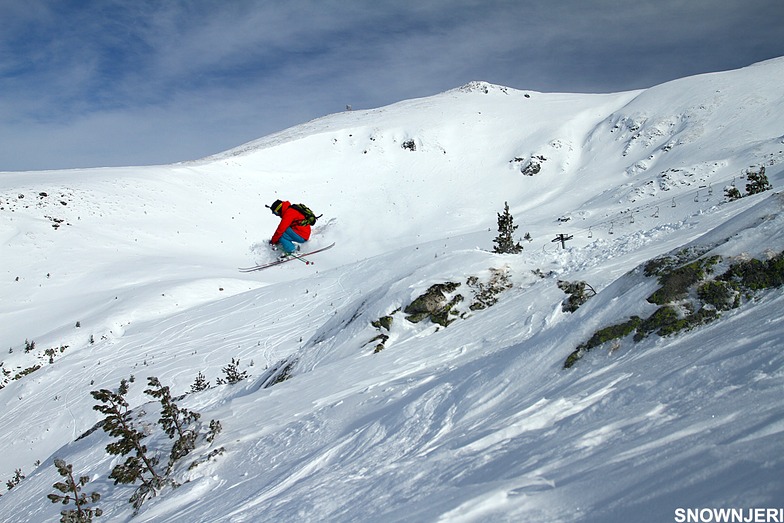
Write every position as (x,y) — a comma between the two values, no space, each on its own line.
(289,217)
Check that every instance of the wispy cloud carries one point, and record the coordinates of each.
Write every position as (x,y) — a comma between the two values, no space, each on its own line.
(120,83)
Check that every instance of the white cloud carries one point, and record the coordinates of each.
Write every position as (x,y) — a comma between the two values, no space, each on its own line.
(214,72)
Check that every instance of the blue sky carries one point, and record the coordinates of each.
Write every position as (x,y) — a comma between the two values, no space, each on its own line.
(137,82)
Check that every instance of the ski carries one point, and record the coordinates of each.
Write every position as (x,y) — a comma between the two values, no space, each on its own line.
(289,258)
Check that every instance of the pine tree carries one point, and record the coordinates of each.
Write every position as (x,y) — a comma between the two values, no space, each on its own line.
(71,490)
(18,477)
(215,428)
(176,422)
(200,383)
(758,182)
(732,194)
(505,243)
(118,423)
(233,374)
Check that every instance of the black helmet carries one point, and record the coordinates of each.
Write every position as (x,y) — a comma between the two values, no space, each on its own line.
(275,207)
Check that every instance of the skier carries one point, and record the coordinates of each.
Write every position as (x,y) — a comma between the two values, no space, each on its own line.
(291,229)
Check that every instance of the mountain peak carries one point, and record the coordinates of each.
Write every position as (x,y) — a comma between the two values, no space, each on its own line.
(479,86)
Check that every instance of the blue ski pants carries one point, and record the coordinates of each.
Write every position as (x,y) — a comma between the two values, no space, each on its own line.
(288,239)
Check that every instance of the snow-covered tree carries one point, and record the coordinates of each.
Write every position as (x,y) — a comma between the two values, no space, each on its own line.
(732,193)
(200,383)
(505,243)
(119,423)
(176,422)
(233,373)
(757,182)
(71,490)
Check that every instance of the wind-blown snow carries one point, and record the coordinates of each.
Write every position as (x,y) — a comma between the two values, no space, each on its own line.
(473,422)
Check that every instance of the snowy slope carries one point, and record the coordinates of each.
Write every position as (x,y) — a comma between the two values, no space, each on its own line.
(477,421)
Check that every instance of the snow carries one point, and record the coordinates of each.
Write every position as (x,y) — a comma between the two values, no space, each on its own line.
(477,421)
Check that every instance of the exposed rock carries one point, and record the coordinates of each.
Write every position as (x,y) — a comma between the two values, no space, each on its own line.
(433,304)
